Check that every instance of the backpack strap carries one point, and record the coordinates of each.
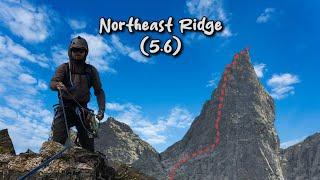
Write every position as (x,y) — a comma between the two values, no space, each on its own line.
(88,73)
(67,76)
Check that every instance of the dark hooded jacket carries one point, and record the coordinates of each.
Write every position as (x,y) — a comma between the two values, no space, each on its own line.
(83,77)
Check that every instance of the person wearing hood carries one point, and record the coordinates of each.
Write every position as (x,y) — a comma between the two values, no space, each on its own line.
(75,78)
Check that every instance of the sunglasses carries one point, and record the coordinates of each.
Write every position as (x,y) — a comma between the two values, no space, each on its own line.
(80,50)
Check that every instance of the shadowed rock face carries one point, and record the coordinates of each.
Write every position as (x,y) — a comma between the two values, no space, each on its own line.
(6,146)
(121,145)
(246,146)
(302,161)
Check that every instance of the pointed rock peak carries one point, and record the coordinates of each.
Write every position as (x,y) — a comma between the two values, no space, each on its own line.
(234,130)
(241,65)
(242,58)
(239,76)
(114,124)
(6,146)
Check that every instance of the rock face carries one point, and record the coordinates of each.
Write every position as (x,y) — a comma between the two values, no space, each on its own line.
(234,136)
(75,163)
(120,145)
(6,146)
(302,161)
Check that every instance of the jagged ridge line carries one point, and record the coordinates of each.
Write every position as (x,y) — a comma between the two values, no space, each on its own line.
(217,120)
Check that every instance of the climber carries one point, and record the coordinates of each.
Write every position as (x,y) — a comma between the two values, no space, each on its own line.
(74,79)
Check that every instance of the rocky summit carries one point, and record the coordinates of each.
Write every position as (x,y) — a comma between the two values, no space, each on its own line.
(234,135)
(75,163)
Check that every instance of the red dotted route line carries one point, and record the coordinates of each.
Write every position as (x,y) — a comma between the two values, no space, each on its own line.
(211,147)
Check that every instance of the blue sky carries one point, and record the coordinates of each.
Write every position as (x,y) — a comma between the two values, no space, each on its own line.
(159,96)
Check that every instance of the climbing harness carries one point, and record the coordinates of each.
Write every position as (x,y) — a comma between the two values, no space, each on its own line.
(87,117)
(90,118)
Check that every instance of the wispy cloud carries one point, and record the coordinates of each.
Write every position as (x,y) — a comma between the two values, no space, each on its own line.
(265,15)
(213,81)
(27,119)
(208,8)
(13,71)
(27,79)
(77,24)
(282,85)
(153,132)
(59,55)
(212,9)
(30,23)
(42,85)
(11,49)
(259,69)
(129,51)
(22,107)
(116,106)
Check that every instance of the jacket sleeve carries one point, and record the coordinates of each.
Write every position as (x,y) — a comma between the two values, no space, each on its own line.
(98,91)
(58,77)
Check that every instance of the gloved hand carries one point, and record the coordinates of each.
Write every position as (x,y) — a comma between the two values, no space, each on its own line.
(100,115)
(60,85)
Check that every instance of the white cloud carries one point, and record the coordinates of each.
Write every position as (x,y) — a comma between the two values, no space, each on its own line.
(12,69)
(266,15)
(213,9)
(126,50)
(152,132)
(226,32)
(27,120)
(287,144)
(77,24)
(208,8)
(281,85)
(22,107)
(115,107)
(27,79)
(26,21)
(59,55)
(259,69)
(213,81)
(6,112)
(179,117)
(11,49)
(42,85)
(130,114)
